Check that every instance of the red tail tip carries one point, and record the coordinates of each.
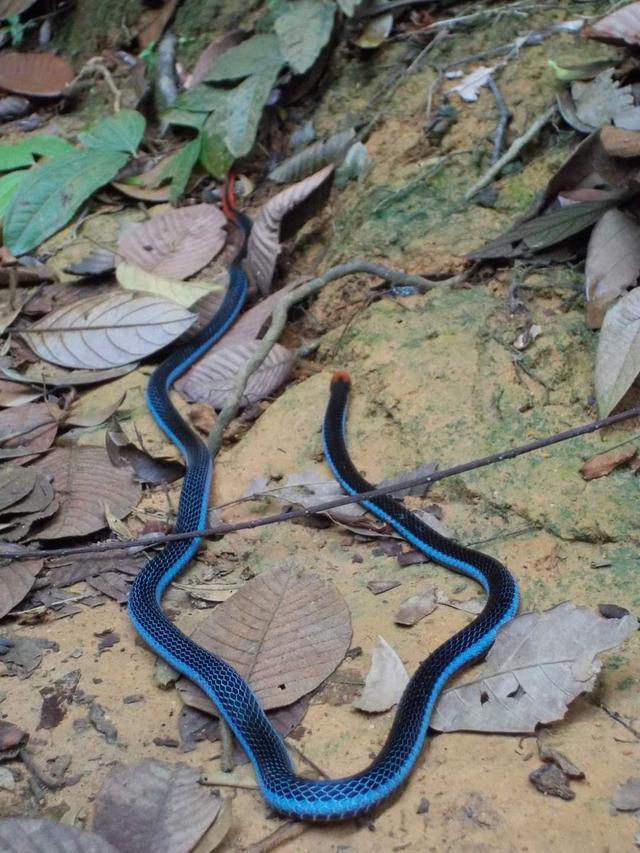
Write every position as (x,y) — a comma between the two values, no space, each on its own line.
(341,376)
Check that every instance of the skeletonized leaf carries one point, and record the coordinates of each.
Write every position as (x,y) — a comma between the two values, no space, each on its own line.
(16,579)
(313,157)
(176,244)
(282,631)
(303,29)
(211,380)
(385,680)
(618,358)
(109,331)
(279,219)
(154,806)
(86,484)
(539,663)
(41,74)
(183,292)
(25,835)
(121,132)
(613,263)
(52,192)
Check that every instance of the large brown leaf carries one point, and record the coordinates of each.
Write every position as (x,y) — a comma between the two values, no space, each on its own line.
(109,331)
(279,219)
(24,835)
(28,430)
(42,74)
(620,27)
(176,244)
(15,484)
(87,485)
(283,632)
(153,806)
(212,379)
(16,579)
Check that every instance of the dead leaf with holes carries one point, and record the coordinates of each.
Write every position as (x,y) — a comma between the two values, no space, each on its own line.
(86,483)
(284,632)
(143,807)
(107,331)
(539,663)
(279,219)
(175,244)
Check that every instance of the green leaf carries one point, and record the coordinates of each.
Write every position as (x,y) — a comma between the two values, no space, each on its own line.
(349,6)
(21,154)
(185,118)
(303,30)
(214,154)
(180,168)
(8,186)
(121,132)
(51,194)
(259,53)
(244,111)
(201,99)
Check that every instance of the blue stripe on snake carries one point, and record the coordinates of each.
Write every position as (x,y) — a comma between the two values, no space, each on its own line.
(301,798)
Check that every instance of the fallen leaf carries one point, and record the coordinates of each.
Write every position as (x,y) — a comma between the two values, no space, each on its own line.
(142,807)
(152,31)
(313,157)
(16,579)
(211,380)
(176,244)
(40,375)
(252,56)
(618,357)
(548,753)
(56,699)
(83,414)
(279,218)
(424,470)
(282,632)
(239,125)
(105,332)
(385,682)
(469,87)
(183,292)
(539,663)
(604,463)
(25,835)
(86,483)
(416,608)
(620,27)
(627,797)
(38,499)
(217,833)
(303,29)
(601,100)
(12,739)
(211,53)
(306,488)
(15,484)
(613,263)
(375,32)
(98,262)
(124,454)
(552,781)
(23,655)
(120,132)
(378,587)
(51,194)
(41,74)
(470,605)
(70,570)
(620,143)
(26,431)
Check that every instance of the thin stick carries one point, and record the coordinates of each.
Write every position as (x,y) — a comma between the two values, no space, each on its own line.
(512,151)
(504,117)
(279,321)
(221,529)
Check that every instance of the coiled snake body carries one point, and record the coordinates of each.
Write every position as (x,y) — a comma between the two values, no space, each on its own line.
(286,792)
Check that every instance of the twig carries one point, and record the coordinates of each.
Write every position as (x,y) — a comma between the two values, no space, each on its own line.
(221,529)
(512,152)
(287,832)
(616,716)
(279,320)
(504,117)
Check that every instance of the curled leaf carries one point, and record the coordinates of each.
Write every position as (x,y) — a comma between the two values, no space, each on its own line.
(314,157)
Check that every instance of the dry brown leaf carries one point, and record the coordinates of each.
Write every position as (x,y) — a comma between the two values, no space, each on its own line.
(41,74)
(211,380)
(604,463)
(16,579)
(613,263)
(539,663)
(25,835)
(15,484)
(104,332)
(620,27)
(26,431)
(283,632)
(155,22)
(176,244)
(620,143)
(627,797)
(86,484)
(279,219)
(153,806)
(385,682)
(416,608)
